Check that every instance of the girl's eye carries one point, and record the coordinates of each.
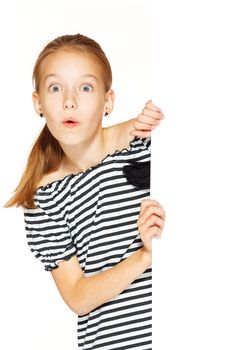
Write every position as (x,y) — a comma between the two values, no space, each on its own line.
(86,88)
(54,88)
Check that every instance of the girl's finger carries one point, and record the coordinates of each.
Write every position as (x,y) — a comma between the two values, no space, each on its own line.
(152,106)
(155,232)
(153,221)
(142,126)
(148,119)
(145,126)
(146,222)
(141,134)
(152,112)
(158,221)
(160,212)
(153,213)
(146,203)
(145,119)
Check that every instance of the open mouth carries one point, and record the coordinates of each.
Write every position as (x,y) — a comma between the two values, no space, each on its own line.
(70,123)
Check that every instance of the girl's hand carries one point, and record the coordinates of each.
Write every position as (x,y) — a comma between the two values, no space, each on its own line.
(151,222)
(148,120)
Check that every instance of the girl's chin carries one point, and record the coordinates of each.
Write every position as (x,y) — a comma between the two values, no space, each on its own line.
(69,143)
(74,141)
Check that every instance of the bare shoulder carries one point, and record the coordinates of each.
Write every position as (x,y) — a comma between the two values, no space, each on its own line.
(118,135)
(51,177)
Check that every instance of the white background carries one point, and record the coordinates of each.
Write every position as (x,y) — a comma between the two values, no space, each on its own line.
(179,53)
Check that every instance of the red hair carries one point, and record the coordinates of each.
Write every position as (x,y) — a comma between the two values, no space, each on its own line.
(46,154)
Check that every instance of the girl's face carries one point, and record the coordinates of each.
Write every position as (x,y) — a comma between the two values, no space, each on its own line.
(72,97)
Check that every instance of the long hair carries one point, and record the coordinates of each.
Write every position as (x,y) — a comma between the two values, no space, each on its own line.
(46,154)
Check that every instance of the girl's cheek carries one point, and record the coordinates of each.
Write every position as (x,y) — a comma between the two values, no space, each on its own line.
(53,100)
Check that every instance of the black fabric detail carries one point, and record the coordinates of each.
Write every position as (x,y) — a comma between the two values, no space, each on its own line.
(138,174)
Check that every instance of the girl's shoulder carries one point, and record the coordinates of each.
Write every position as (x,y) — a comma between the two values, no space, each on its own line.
(51,177)
(118,137)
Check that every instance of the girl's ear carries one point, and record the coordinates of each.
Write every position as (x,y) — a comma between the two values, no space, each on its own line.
(36,102)
(109,103)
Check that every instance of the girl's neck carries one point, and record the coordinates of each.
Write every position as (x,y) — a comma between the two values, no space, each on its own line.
(81,157)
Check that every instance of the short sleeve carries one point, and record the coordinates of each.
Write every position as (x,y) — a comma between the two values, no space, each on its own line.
(49,240)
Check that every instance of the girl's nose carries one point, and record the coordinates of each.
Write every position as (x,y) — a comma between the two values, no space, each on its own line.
(69,103)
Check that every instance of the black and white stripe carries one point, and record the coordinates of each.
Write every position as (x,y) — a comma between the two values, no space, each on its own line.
(93,214)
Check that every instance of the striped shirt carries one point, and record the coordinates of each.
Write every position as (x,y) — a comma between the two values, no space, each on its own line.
(93,214)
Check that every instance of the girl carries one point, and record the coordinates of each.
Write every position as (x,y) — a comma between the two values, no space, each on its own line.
(83,194)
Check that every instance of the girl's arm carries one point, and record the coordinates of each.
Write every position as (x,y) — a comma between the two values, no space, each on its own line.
(85,293)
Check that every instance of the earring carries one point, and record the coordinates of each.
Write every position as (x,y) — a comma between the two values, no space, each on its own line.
(106,113)
(41,115)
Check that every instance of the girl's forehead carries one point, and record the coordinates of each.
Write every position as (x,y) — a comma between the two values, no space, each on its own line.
(61,58)
(64,61)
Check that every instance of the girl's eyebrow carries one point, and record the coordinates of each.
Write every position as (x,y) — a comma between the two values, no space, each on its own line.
(82,76)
